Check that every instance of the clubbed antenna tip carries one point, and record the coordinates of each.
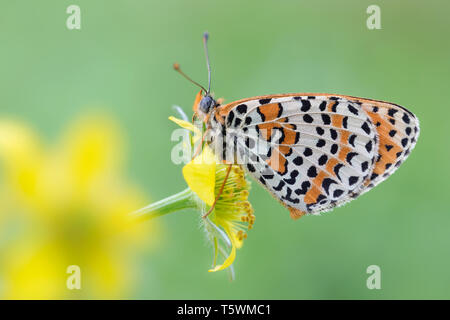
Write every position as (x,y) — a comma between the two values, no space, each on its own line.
(205,45)
(177,68)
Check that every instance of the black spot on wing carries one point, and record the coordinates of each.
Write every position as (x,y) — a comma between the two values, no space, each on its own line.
(323,106)
(307,118)
(352,109)
(326,119)
(321,199)
(312,172)
(292,178)
(333,134)
(323,159)
(351,140)
(404,142)
(230,118)
(304,188)
(352,180)
(307,152)
(297,137)
(337,193)
(265,101)
(334,148)
(345,122)
(242,108)
(350,156)
(334,107)
(280,110)
(320,143)
(369,146)
(366,128)
(306,105)
(326,183)
(288,196)
(364,166)
(263,117)
(320,131)
(408,131)
(336,170)
(298,161)
(392,112)
(405,118)
(279,186)
(250,143)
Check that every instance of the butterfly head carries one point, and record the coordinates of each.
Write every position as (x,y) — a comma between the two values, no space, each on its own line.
(206,104)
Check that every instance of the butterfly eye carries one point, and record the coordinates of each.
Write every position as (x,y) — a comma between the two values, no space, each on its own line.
(206,103)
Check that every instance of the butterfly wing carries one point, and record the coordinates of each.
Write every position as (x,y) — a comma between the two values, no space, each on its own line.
(316,151)
(398,131)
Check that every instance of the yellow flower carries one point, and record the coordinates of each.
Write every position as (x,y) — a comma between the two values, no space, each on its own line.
(232,215)
(67,205)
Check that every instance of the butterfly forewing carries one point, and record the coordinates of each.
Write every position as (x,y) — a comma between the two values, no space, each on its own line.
(314,152)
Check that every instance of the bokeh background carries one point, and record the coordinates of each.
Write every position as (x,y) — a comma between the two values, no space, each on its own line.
(105,92)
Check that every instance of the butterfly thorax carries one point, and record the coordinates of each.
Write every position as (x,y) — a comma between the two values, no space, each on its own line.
(220,138)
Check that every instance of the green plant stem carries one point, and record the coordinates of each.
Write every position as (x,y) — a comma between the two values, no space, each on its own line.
(182,200)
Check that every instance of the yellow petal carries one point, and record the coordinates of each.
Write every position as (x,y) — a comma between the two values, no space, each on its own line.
(207,157)
(184,124)
(230,259)
(189,126)
(200,175)
(216,251)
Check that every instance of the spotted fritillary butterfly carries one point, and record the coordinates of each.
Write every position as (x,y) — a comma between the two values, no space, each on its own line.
(311,151)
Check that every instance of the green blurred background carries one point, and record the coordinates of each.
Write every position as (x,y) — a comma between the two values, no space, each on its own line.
(121,61)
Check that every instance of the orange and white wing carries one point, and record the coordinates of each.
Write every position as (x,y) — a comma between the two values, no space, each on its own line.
(317,151)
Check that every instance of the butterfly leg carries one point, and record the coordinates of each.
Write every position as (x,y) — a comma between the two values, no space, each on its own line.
(199,148)
(220,191)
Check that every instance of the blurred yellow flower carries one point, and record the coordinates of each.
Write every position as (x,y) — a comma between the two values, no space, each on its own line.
(67,205)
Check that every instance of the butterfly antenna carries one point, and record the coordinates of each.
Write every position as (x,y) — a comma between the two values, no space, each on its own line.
(205,45)
(177,68)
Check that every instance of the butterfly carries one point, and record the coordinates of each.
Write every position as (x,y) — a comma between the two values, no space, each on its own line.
(311,151)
